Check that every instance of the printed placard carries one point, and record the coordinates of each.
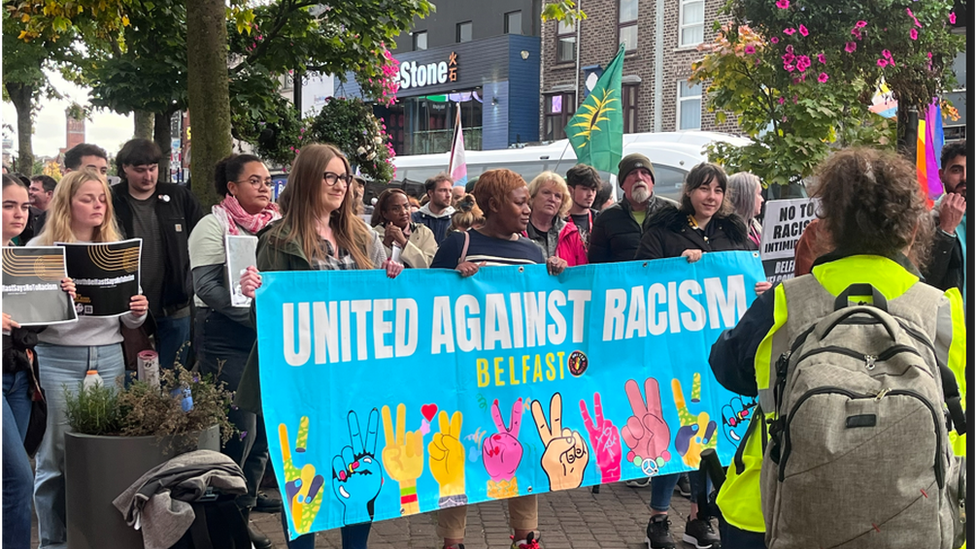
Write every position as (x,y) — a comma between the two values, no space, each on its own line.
(106,275)
(241,254)
(32,294)
(782,227)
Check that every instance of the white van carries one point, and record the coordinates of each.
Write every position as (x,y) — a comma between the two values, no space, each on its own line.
(672,153)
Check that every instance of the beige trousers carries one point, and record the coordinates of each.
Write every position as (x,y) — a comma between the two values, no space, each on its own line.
(524,513)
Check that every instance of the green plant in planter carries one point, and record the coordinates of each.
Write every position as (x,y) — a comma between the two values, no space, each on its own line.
(143,410)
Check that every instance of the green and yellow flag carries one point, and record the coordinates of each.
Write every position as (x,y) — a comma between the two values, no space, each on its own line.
(597,129)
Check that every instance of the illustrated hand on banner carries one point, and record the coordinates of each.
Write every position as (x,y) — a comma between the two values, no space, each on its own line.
(447,461)
(646,432)
(605,440)
(566,455)
(502,452)
(403,457)
(696,432)
(303,488)
(356,474)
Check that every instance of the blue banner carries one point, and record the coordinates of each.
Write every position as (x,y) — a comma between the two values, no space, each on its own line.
(384,398)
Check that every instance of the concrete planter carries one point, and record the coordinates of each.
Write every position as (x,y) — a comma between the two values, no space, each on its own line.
(99,468)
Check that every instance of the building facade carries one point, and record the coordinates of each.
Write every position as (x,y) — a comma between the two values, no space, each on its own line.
(662,39)
(482,58)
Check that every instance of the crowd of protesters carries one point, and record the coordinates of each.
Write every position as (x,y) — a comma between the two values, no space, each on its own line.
(873,228)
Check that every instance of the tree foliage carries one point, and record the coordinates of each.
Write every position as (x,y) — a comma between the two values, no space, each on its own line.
(800,76)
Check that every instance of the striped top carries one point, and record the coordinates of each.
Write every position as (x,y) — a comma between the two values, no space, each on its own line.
(493,251)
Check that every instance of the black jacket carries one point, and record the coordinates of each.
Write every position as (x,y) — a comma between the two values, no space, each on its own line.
(668,234)
(945,269)
(616,234)
(177,217)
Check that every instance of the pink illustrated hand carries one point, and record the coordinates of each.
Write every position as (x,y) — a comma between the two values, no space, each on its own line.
(646,432)
(502,451)
(605,440)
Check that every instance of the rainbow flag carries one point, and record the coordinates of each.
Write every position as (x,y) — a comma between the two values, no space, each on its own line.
(928,150)
(457,166)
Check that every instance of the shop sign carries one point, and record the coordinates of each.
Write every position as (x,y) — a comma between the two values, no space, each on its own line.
(413,75)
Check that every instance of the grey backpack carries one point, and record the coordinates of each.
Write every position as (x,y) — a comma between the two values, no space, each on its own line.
(859,453)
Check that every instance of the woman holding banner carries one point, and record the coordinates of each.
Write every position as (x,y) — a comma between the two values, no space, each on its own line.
(704,222)
(80,211)
(319,230)
(225,333)
(504,198)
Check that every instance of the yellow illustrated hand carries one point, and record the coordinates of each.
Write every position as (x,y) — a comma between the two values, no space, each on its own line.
(303,488)
(566,454)
(403,457)
(696,432)
(447,460)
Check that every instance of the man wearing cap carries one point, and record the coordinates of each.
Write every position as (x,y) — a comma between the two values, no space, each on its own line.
(618,229)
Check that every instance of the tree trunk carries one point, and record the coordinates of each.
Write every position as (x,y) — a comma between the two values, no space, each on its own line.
(207,92)
(143,122)
(162,137)
(22,96)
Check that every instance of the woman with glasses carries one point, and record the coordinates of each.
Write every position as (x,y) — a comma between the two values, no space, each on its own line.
(319,231)
(391,220)
(224,334)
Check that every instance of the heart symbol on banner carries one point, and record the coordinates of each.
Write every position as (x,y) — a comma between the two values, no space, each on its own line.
(429,411)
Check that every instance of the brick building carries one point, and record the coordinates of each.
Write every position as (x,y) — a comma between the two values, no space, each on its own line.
(662,37)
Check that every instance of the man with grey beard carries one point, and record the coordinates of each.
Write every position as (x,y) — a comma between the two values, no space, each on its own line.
(617,230)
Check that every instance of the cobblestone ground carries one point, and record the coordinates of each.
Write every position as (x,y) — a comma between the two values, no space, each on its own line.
(614,518)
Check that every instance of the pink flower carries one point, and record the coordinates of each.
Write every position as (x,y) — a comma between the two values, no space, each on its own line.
(750,49)
(783,4)
(795,99)
(783,119)
(789,67)
(796,81)
(803,30)
(930,55)
(822,78)
(803,63)
(857,33)
(952,17)
(774,40)
(822,58)
(782,100)
(886,54)
(789,31)
(850,47)
(789,49)
(882,63)
(913,34)
(861,24)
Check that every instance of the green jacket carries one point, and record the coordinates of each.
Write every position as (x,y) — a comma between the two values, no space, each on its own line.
(273,254)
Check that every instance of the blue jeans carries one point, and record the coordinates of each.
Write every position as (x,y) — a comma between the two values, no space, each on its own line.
(62,366)
(662,487)
(354,536)
(16,476)
(171,335)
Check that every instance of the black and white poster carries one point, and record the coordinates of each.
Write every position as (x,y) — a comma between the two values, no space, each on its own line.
(241,254)
(781,230)
(32,292)
(106,275)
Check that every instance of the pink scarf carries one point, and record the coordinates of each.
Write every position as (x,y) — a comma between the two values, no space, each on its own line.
(231,215)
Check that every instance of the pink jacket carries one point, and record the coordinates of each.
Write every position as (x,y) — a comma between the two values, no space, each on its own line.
(570,246)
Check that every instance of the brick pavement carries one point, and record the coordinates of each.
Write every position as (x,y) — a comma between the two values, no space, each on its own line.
(615,518)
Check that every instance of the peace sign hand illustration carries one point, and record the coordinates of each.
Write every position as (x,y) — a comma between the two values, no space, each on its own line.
(566,454)
(502,451)
(447,460)
(403,457)
(697,432)
(646,433)
(357,476)
(605,440)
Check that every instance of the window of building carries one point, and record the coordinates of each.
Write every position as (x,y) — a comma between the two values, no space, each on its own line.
(513,22)
(627,30)
(689,106)
(565,42)
(559,108)
(419,40)
(691,23)
(464,32)
(629,102)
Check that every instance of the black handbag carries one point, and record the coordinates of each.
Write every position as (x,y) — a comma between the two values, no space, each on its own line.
(38,416)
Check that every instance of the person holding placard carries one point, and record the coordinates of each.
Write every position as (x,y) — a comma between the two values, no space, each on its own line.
(224,333)
(319,231)
(81,211)
(704,222)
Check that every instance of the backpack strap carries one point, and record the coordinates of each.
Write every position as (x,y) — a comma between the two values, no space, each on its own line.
(464,249)
(950,390)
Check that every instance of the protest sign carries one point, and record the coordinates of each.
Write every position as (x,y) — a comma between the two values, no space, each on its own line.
(32,292)
(781,230)
(106,275)
(241,254)
(385,398)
